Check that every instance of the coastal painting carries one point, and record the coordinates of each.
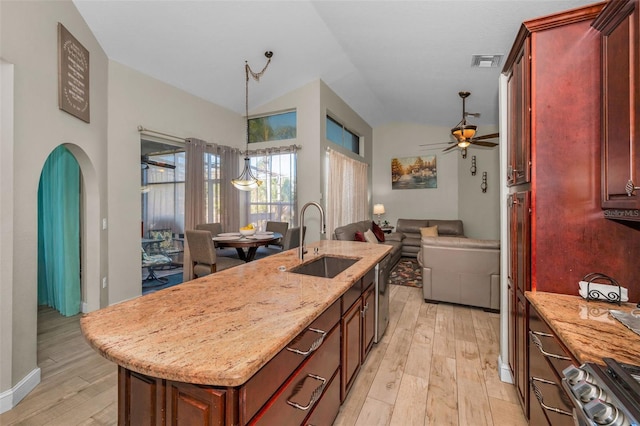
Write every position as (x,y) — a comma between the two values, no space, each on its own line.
(414,172)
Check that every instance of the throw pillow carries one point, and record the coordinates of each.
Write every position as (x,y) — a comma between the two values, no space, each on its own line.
(431,231)
(359,237)
(370,237)
(378,232)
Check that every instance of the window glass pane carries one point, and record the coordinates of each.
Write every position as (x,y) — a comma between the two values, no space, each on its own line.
(273,127)
(339,135)
(334,131)
(275,199)
(163,193)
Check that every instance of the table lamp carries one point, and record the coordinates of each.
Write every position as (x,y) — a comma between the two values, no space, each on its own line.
(378,209)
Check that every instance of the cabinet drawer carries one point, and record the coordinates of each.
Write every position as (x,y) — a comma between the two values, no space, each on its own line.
(327,408)
(351,295)
(543,340)
(265,382)
(304,387)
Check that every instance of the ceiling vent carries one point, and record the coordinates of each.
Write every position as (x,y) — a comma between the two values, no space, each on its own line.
(485,61)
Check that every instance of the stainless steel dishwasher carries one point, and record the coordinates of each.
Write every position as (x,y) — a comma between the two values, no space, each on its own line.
(382,298)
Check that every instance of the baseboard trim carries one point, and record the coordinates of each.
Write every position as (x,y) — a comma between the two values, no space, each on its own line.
(11,397)
(505,371)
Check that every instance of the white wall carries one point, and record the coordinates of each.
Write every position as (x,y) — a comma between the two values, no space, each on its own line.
(480,211)
(397,140)
(28,40)
(137,99)
(458,195)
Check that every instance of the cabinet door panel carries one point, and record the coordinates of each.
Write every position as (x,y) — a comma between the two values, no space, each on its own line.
(621,77)
(189,404)
(351,326)
(368,321)
(141,399)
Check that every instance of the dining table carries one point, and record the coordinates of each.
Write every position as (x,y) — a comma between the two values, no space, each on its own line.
(246,246)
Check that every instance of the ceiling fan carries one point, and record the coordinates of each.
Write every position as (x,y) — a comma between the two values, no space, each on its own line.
(146,162)
(465,134)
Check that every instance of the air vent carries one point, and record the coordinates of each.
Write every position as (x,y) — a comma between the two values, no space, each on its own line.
(485,61)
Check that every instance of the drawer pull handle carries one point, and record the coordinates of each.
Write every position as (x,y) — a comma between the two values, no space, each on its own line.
(536,341)
(315,345)
(540,399)
(315,395)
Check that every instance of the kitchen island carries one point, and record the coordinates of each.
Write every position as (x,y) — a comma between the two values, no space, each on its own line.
(206,350)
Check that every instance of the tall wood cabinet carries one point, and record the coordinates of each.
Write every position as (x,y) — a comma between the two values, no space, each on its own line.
(552,99)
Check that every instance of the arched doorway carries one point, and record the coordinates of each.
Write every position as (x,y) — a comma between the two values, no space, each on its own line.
(59,225)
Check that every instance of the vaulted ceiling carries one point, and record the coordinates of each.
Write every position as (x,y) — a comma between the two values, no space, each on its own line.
(391,61)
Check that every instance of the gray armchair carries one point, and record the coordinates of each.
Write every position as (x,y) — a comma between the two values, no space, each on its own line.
(461,270)
(279,227)
(215,228)
(203,254)
(292,238)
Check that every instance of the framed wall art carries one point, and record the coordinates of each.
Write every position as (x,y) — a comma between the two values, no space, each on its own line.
(73,75)
(414,172)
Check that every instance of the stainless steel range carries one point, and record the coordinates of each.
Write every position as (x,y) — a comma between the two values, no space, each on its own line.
(604,394)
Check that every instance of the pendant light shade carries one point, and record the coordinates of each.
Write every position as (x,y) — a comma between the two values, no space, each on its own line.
(247,180)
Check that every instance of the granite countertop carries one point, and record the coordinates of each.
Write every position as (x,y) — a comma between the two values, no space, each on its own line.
(586,328)
(222,328)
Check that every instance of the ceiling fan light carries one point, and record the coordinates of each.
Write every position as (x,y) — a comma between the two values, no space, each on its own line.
(463,133)
(464,143)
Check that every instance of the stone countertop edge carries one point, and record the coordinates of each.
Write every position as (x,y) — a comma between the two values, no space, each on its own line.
(586,328)
(221,329)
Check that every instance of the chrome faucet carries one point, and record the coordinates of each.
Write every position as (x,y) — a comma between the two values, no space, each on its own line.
(322,226)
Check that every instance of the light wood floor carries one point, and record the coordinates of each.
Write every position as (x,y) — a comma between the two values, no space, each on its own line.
(436,365)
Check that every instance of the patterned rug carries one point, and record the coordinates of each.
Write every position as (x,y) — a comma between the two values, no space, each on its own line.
(406,272)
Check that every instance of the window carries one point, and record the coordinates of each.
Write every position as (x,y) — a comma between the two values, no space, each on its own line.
(273,127)
(339,135)
(275,199)
(163,192)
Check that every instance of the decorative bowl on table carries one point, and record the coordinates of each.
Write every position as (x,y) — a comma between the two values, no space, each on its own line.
(247,232)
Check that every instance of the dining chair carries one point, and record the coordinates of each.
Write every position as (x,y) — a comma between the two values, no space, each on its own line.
(292,238)
(203,254)
(279,227)
(215,228)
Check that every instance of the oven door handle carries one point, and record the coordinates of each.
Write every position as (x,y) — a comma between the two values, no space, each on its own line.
(539,397)
(536,341)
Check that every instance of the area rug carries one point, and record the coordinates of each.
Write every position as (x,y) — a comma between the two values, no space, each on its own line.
(151,286)
(406,272)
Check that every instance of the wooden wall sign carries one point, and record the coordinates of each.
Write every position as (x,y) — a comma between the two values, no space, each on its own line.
(73,75)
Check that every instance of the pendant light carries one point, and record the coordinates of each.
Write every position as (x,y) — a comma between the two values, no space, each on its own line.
(247,180)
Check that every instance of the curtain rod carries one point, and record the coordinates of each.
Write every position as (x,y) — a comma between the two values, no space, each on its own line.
(143,130)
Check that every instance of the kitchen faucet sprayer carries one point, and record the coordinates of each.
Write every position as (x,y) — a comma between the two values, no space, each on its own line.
(322,225)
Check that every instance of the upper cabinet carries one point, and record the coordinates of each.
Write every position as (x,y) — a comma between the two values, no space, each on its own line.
(618,22)
(519,106)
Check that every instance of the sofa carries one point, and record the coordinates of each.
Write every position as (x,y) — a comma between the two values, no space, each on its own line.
(348,233)
(461,270)
(408,233)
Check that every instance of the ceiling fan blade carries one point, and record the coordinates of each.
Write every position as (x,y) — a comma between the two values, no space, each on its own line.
(450,148)
(436,143)
(489,136)
(483,143)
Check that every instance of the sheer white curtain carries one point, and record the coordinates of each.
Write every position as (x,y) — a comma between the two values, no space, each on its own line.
(347,190)
(212,192)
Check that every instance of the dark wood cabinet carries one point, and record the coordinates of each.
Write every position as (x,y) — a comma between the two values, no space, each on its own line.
(519,107)
(351,327)
(189,404)
(553,138)
(619,26)
(358,330)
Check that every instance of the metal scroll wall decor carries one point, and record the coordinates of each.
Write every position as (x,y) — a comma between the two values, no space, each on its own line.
(483,185)
(473,166)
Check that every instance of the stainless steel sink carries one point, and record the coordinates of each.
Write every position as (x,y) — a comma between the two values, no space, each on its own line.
(325,266)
